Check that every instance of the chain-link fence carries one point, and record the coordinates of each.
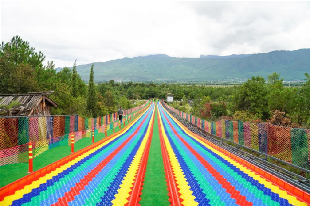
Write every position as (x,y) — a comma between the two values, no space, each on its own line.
(47,132)
(291,145)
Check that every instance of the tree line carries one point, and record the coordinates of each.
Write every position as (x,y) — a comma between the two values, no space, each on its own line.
(22,71)
(256,100)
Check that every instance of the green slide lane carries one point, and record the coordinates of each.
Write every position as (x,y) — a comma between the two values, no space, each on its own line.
(154,190)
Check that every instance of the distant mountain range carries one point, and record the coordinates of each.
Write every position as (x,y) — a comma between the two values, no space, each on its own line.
(291,65)
(225,57)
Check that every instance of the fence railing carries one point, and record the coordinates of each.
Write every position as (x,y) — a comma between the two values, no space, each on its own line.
(291,145)
(46,132)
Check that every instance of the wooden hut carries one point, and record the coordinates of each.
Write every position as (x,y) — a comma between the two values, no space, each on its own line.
(32,103)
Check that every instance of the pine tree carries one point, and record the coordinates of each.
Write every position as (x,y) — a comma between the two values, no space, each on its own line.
(92,97)
(74,81)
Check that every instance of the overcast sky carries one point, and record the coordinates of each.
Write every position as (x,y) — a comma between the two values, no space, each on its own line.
(95,32)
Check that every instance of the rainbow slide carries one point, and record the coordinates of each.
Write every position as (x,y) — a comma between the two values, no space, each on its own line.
(206,176)
(112,172)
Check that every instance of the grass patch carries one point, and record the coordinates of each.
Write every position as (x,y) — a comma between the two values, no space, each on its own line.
(12,172)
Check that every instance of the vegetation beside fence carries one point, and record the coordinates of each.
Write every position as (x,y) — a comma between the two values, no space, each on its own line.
(291,145)
(47,132)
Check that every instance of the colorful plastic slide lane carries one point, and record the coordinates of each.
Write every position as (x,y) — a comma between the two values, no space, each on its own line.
(112,171)
(205,176)
(109,174)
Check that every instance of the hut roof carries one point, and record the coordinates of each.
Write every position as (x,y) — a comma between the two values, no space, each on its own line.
(26,102)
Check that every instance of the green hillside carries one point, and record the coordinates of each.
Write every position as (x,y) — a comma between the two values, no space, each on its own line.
(291,65)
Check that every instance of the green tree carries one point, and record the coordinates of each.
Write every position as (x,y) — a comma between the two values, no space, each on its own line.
(177,93)
(92,95)
(82,87)
(74,82)
(274,79)
(48,78)
(184,100)
(102,88)
(19,66)
(67,104)
(130,92)
(19,78)
(18,51)
(195,110)
(218,109)
(278,96)
(64,75)
(111,82)
(300,103)
(151,92)
(205,100)
(124,103)
(252,97)
(109,101)
(102,109)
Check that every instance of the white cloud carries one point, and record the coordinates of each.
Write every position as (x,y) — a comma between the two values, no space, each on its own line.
(93,31)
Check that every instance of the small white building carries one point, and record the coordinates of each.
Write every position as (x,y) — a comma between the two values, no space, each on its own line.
(169,98)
